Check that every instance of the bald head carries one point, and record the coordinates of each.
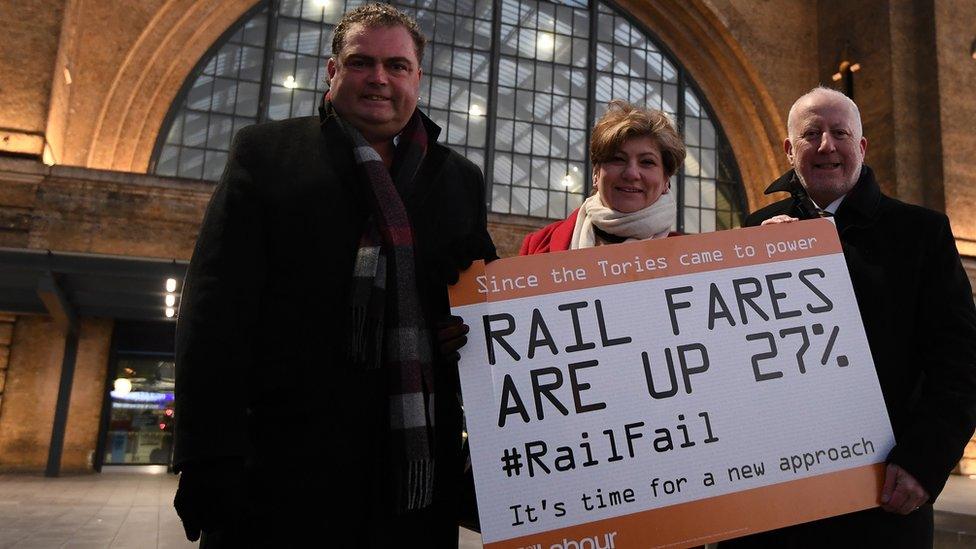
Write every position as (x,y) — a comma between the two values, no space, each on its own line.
(819,95)
(825,144)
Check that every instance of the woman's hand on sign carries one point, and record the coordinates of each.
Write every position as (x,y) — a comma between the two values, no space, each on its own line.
(776,219)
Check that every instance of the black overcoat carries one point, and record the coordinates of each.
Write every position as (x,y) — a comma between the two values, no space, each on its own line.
(259,367)
(917,307)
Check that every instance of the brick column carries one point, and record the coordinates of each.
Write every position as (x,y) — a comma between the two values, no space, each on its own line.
(6,336)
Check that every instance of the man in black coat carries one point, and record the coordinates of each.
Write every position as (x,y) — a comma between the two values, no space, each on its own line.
(311,343)
(917,306)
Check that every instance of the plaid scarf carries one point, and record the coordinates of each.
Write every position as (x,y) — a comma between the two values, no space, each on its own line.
(387,327)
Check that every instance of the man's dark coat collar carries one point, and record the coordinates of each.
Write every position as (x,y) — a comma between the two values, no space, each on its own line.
(862,202)
(326,114)
(339,148)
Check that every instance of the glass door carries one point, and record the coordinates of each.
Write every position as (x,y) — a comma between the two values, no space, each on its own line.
(140,427)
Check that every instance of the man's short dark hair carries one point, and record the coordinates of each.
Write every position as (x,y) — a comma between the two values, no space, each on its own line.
(378,15)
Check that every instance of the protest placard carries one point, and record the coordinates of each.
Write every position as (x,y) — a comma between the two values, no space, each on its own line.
(669,392)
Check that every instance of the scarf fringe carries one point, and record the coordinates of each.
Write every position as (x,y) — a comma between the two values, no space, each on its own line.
(416,485)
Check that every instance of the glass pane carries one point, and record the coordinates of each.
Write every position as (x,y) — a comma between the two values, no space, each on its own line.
(247,99)
(707,221)
(457,131)
(308,38)
(226,61)
(476,131)
(287,37)
(708,193)
(195,129)
(175,135)
(692,220)
(460,96)
(284,69)
(506,102)
(521,170)
(503,137)
(499,198)
(221,127)
(306,71)
(557,205)
(520,200)
(256,30)
(279,106)
(691,189)
(252,60)
(224,95)
(304,103)
(539,205)
(200,94)
(191,163)
(168,158)
(214,162)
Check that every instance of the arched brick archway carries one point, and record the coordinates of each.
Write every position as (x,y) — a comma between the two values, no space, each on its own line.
(143,89)
(154,70)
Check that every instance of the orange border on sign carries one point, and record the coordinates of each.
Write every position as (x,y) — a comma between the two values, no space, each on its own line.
(635,255)
(727,516)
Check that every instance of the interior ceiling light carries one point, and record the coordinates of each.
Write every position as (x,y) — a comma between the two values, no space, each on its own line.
(546,41)
(290,82)
(170,300)
(122,386)
(171,285)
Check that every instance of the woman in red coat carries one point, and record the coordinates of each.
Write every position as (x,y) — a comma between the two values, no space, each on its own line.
(635,152)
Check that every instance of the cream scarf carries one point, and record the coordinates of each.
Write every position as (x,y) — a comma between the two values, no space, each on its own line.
(654,221)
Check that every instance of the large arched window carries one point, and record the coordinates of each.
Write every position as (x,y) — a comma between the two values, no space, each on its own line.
(516,86)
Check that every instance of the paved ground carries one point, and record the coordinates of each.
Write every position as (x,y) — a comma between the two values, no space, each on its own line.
(132,510)
(112,509)
(119,510)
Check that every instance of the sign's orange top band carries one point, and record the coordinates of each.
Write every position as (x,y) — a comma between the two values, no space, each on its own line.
(527,276)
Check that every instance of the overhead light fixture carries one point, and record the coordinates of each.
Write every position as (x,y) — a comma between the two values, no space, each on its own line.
(322,3)
(171,285)
(290,82)
(170,300)
(122,386)
(170,312)
(476,110)
(855,67)
(567,180)
(546,41)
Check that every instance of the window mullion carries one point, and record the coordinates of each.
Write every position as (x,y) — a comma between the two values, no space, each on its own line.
(590,98)
(491,110)
(264,94)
